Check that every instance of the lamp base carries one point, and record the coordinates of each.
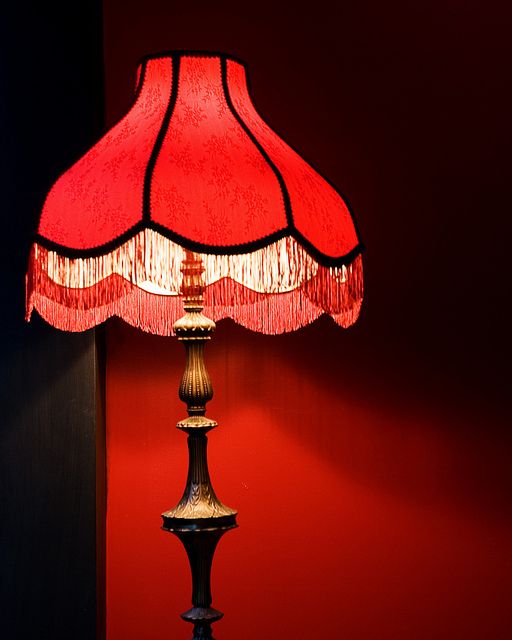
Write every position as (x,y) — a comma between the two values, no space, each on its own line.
(198,615)
(200,538)
(182,525)
(202,631)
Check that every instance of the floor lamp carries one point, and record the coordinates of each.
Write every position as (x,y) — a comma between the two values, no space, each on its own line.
(190,203)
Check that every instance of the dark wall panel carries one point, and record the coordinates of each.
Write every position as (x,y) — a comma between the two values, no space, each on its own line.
(51,110)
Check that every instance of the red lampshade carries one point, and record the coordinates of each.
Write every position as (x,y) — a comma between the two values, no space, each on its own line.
(193,166)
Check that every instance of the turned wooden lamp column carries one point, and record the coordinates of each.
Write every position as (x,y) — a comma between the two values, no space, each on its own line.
(199,519)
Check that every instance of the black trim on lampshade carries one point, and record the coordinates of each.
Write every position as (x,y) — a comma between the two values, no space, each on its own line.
(148,176)
(282,184)
(186,243)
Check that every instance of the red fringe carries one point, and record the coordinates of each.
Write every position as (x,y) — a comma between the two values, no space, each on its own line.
(101,292)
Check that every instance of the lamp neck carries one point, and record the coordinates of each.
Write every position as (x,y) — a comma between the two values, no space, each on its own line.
(192,284)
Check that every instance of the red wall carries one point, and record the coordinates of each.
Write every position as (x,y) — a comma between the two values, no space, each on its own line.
(370,467)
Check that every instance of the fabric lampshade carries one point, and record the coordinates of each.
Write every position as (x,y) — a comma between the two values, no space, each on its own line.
(194,167)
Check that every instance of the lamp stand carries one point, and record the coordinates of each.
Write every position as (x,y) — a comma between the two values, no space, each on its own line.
(199,519)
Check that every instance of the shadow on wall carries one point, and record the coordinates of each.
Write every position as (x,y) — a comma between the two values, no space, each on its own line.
(381,422)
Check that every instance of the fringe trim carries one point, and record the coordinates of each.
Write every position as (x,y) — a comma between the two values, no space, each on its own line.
(149,257)
(273,290)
